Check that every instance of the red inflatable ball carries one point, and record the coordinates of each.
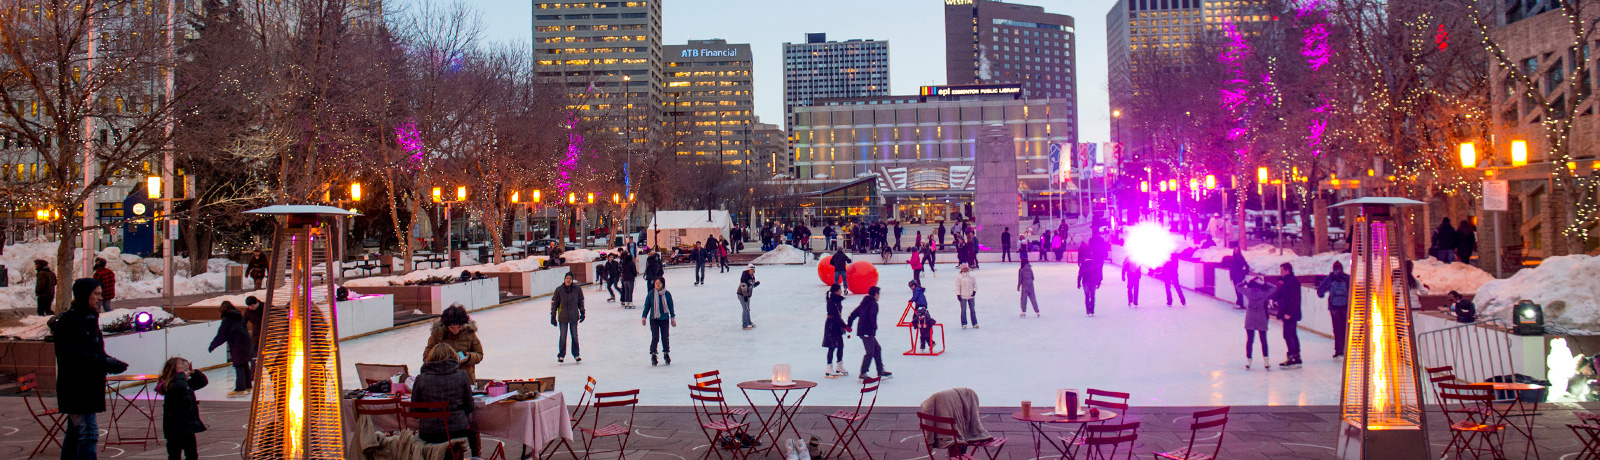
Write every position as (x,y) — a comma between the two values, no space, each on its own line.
(825,270)
(861,275)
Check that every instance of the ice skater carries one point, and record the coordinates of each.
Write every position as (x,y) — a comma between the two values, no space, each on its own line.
(915,261)
(235,333)
(833,333)
(1256,294)
(1287,297)
(966,294)
(1005,245)
(1131,275)
(1336,286)
(609,273)
(1169,282)
(922,322)
(701,255)
(841,264)
(1025,286)
(1091,266)
(747,287)
(1237,270)
(867,329)
(627,274)
(566,311)
(659,315)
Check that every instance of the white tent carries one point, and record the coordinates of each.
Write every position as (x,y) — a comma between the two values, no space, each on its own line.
(673,228)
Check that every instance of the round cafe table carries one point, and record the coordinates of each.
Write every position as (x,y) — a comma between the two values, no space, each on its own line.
(782,414)
(147,414)
(1038,417)
(1517,408)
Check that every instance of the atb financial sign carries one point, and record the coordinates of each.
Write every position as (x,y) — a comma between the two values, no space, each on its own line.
(730,52)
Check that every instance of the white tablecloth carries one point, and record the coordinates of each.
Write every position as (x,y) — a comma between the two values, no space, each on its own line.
(532,423)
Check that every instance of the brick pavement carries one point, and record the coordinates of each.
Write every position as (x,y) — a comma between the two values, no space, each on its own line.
(1255,432)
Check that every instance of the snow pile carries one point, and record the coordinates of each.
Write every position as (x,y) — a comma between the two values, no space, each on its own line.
(521,265)
(580,255)
(237,299)
(136,277)
(401,279)
(1563,285)
(1265,259)
(1438,277)
(28,328)
(783,254)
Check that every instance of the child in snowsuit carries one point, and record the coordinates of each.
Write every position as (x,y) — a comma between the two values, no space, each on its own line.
(923,323)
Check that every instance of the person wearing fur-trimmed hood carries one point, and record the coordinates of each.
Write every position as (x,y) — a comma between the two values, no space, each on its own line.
(458,330)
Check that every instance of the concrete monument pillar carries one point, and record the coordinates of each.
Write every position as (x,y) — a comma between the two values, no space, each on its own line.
(995,201)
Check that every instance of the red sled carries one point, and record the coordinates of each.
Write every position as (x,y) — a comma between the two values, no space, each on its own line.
(905,322)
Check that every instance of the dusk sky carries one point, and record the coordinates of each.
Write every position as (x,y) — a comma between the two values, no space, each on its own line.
(914,29)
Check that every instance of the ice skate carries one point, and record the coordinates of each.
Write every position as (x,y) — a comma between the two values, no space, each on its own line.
(1247,362)
(840,370)
(1291,363)
(577,360)
(1023,315)
(667,357)
(885,375)
(1266,363)
(1036,315)
(238,393)
(653,360)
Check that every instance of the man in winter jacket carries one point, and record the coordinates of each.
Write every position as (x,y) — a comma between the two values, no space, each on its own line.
(1288,299)
(108,283)
(1169,281)
(747,287)
(1130,277)
(1336,286)
(44,287)
(841,263)
(1091,266)
(566,311)
(653,267)
(627,273)
(966,293)
(1005,245)
(701,255)
(81,369)
(608,273)
(1025,286)
(867,329)
(235,332)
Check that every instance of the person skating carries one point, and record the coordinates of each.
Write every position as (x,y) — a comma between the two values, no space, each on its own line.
(722,255)
(456,328)
(108,283)
(928,255)
(1091,263)
(1287,296)
(241,348)
(653,267)
(1130,276)
(180,411)
(867,330)
(1169,282)
(747,287)
(659,315)
(1336,286)
(1005,245)
(1025,286)
(1256,294)
(966,294)
(700,256)
(81,369)
(915,261)
(922,323)
(627,274)
(44,288)
(566,311)
(833,332)
(841,264)
(608,271)
(1237,269)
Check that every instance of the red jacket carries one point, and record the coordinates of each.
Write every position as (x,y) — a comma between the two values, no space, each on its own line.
(108,283)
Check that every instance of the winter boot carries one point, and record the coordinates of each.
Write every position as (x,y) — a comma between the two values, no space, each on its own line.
(653,360)
(668,357)
(814,448)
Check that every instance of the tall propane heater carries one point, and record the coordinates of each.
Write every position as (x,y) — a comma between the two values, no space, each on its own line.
(1382,412)
(295,412)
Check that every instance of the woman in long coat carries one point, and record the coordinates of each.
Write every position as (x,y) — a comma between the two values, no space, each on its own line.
(833,332)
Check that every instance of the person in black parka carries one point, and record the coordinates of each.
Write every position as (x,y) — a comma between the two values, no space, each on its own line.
(867,330)
(1288,299)
(180,411)
(628,272)
(841,264)
(833,331)
(81,368)
(442,380)
(241,349)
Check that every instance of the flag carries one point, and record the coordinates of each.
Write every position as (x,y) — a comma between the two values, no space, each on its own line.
(1088,157)
(1056,171)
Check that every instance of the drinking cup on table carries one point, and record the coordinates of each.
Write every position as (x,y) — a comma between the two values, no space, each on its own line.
(1027,408)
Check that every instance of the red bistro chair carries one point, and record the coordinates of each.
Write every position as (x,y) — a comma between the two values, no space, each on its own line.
(1474,424)
(1109,400)
(1203,420)
(380,407)
(847,425)
(1438,375)
(711,412)
(628,399)
(713,379)
(41,414)
(1098,438)
(1589,436)
(578,412)
(934,426)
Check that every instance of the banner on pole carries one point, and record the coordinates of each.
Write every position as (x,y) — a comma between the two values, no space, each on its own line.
(1056,169)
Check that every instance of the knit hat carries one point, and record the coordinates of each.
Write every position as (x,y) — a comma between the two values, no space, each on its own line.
(750,266)
(82,287)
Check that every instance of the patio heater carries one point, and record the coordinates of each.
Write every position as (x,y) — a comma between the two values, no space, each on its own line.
(1382,413)
(295,411)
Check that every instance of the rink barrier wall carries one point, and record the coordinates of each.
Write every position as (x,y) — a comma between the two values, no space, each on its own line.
(530,283)
(474,295)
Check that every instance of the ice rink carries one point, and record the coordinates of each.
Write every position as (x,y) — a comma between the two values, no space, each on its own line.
(1179,356)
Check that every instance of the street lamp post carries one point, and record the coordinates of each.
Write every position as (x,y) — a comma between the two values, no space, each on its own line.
(339,229)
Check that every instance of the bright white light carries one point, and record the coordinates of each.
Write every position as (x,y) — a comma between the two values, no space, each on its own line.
(1149,245)
(1527,313)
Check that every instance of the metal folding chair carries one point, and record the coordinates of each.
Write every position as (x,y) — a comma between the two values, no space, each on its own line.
(1098,438)
(1475,426)
(1589,436)
(379,407)
(579,410)
(711,412)
(847,424)
(934,427)
(28,383)
(713,379)
(1203,420)
(628,399)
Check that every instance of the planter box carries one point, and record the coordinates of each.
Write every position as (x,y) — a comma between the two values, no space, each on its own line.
(583,272)
(432,300)
(1223,285)
(146,352)
(529,283)
(366,313)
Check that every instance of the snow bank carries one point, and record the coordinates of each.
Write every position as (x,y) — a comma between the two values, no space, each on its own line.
(580,255)
(1564,285)
(521,265)
(1265,259)
(136,277)
(401,279)
(1437,277)
(156,314)
(783,254)
(28,328)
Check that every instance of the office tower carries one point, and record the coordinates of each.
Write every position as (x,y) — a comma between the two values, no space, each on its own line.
(994,42)
(708,94)
(608,50)
(819,69)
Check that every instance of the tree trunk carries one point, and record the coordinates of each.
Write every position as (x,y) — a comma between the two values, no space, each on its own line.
(64,263)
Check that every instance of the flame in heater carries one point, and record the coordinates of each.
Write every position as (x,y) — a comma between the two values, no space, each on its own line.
(294,413)
(1384,356)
